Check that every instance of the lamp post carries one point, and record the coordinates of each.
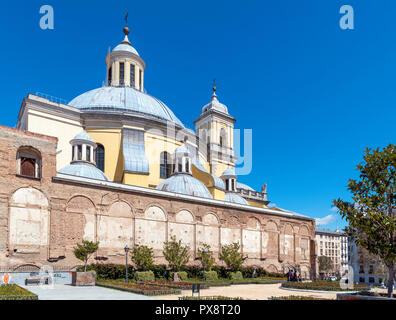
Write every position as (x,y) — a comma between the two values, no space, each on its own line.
(126,262)
(203,263)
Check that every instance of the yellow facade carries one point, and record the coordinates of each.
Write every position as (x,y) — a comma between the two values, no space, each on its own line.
(111,139)
(257,204)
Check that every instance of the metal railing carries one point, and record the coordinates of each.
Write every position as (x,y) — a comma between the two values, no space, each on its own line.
(51,98)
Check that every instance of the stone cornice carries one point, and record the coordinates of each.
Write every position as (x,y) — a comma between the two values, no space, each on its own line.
(175,196)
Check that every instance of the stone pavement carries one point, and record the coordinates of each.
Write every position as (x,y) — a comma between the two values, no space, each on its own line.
(68,292)
(252,292)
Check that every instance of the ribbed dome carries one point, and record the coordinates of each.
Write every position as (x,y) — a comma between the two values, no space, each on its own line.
(235,198)
(83,136)
(124,99)
(185,184)
(228,172)
(244,186)
(84,170)
(215,105)
(127,48)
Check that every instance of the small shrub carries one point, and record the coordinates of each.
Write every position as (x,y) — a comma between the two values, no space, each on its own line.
(232,256)
(235,276)
(94,272)
(144,276)
(182,275)
(142,257)
(176,253)
(211,275)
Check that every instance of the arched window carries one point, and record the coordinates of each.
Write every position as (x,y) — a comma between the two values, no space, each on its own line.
(110,76)
(223,138)
(165,165)
(132,75)
(122,73)
(29,162)
(100,157)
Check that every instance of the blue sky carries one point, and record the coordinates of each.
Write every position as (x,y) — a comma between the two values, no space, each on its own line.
(314,95)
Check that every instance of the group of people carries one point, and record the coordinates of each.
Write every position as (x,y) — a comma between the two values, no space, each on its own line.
(292,275)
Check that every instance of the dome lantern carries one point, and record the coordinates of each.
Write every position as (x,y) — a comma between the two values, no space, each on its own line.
(229,178)
(125,68)
(83,163)
(182,160)
(83,149)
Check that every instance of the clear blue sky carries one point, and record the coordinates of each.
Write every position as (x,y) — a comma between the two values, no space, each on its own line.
(315,95)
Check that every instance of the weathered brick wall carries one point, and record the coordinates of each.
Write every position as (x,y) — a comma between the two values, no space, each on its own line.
(10,141)
(119,217)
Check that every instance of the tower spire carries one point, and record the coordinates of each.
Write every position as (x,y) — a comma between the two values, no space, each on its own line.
(126,30)
(214,96)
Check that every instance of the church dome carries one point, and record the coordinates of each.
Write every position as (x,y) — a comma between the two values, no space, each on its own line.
(235,198)
(185,184)
(85,171)
(124,99)
(83,136)
(127,48)
(215,105)
(230,172)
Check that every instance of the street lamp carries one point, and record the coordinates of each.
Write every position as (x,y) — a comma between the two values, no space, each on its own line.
(126,262)
(203,263)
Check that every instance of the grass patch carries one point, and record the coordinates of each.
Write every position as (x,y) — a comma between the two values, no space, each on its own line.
(15,292)
(139,288)
(322,285)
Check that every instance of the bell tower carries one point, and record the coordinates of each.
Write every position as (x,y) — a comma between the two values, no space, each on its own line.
(215,129)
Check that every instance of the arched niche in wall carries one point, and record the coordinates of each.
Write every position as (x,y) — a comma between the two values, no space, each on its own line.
(80,220)
(304,243)
(272,268)
(231,231)
(115,230)
(152,230)
(271,240)
(251,238)
(28,220)
(183,228)
(208,232)
(184,216)
(287,243)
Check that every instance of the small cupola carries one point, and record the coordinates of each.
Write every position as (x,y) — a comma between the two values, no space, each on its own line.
(229,178)
(125,68)
(83,149)
(182,160)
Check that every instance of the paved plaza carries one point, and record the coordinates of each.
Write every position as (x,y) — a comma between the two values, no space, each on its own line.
(68,292)
(253,292)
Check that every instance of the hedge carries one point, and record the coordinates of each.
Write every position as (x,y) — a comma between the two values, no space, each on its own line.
(117,271)
(144,276)
(322,286)
(235,276)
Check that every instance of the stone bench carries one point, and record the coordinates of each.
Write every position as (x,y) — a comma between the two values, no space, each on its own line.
(37,280)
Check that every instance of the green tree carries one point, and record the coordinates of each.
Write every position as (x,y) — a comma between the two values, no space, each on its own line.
(231,256)
(142,257)
(372,219)
(209,258)
(325,264)
(85,250)
(176,254)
